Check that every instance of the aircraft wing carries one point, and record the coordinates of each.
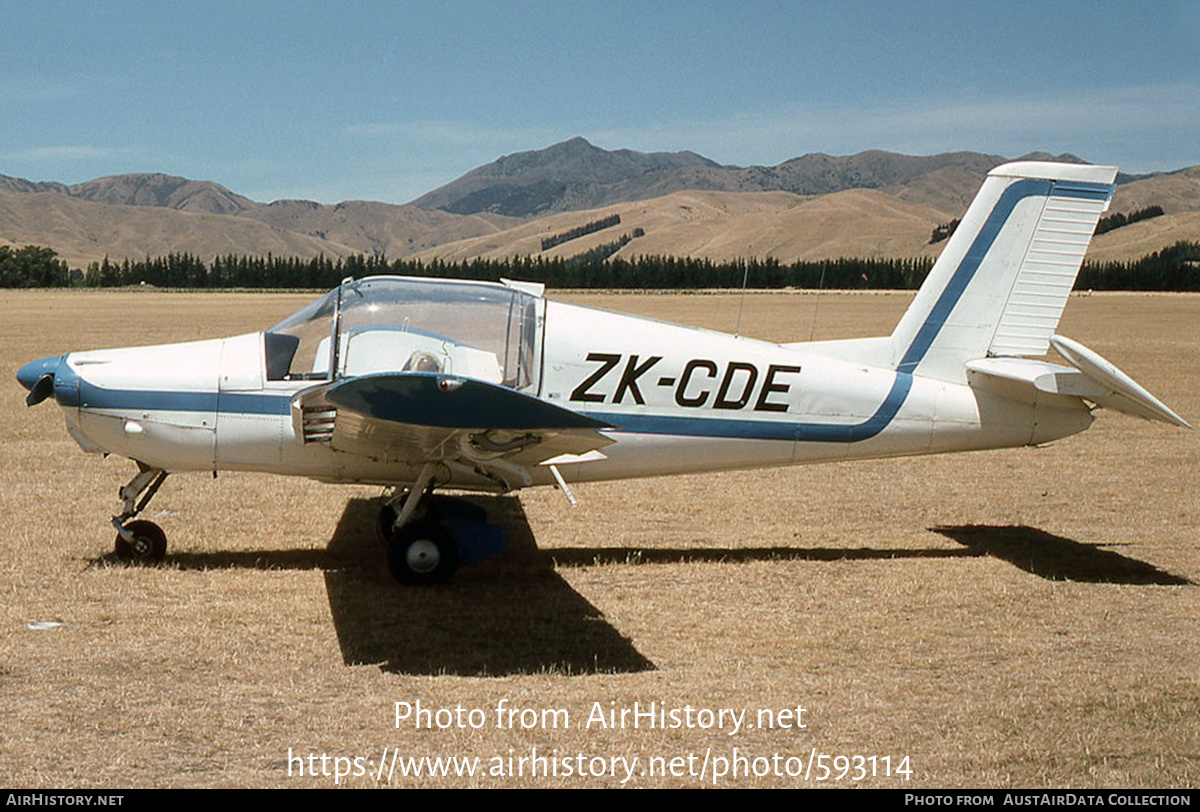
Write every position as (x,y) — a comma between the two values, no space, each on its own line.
(418,417)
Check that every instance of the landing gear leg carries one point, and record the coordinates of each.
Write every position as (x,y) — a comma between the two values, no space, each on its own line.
(420,551)
(141,541)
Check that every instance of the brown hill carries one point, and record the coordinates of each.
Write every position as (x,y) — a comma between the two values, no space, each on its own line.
(576,175)
(138,215)
(142,189)
(162,191)
(1178,193)
(82,232)
(895,221)
(1174,191)
(376,228)
(1146,237)
(568,176)
(684,204)
(726,225)
(948,189)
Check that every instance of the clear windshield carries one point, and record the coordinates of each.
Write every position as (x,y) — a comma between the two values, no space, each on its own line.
(292,344)
(391,324)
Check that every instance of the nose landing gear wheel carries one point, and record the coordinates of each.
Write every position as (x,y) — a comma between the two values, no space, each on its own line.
(422,553)
(148,546)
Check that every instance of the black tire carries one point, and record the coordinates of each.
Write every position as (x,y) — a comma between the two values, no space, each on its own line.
(149,545)
(385,522)
(422,553)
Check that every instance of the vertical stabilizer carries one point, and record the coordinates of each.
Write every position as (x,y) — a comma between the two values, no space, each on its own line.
(1001,283)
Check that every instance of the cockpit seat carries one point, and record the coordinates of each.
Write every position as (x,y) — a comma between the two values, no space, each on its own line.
(422,362)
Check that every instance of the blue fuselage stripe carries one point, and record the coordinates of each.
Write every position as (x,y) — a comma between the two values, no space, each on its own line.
(763,430)
(95,397)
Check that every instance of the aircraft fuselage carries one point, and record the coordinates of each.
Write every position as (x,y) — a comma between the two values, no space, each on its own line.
(679,399)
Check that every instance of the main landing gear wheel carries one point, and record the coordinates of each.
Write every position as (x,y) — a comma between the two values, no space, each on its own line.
(385,522)
(148,545)
(422,553)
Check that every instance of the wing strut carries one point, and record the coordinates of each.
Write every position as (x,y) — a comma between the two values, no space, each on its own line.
(562,486)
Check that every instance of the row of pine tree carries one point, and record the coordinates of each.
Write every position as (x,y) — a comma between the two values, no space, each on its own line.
(1176,268)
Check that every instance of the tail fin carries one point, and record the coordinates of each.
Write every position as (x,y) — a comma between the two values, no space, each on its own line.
(1001,283)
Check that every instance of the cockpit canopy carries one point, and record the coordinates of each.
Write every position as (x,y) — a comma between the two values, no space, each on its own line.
(400,324)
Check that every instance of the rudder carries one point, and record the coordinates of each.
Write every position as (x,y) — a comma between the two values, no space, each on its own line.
(1001,283)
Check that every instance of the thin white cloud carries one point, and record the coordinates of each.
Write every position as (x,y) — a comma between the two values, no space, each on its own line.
(447,133)
(1142,109)
(1149,126)
(62,154)
(420,156)
(17,90)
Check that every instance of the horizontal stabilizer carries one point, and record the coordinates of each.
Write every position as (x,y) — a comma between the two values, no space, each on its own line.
(1029,381)
(1117,390)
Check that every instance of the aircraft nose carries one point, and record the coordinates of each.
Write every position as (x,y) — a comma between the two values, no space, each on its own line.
(32,372)
(38,377)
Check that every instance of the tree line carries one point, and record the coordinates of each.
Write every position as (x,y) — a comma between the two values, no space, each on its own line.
(580,231)
(590,270)
(32,267)
(1119,220)
(605,250)
(1110,223)
(1176,268)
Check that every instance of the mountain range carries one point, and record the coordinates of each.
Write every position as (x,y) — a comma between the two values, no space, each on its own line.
(874,204)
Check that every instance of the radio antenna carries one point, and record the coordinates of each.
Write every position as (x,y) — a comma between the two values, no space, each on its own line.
(820,289)
(742,300)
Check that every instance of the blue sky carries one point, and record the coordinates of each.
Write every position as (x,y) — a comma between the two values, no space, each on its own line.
(388,100)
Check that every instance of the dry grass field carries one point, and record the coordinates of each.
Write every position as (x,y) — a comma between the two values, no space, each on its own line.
(1024,618)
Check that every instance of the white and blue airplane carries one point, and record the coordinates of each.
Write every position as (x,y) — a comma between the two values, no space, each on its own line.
(424,384)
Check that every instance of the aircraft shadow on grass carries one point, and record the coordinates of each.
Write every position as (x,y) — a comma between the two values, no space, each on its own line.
(1057,558)
(516,614)
(512,615)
